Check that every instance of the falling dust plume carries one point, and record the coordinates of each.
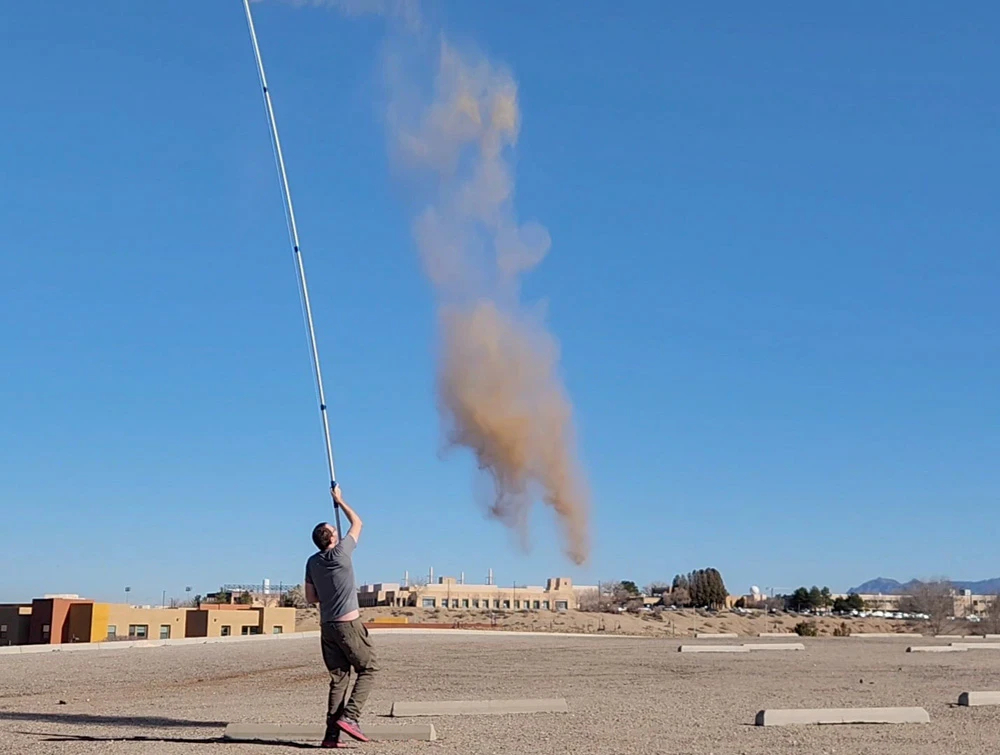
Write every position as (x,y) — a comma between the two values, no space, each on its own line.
(499,390)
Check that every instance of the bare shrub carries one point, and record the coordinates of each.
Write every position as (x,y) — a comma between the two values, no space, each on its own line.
(935,599)
(589,600)
(806,629)
(991,622)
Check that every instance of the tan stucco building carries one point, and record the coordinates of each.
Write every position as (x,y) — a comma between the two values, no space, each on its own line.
(559,594)
(59,620)
(15,624)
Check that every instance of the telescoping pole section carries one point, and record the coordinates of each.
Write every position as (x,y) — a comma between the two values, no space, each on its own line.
(293,233)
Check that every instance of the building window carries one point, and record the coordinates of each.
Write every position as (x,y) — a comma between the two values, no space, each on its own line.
(562,605)
(112,631)
(427,602)
(506,604)
(465,603)
(138,631)
(46,631)
(277,630)
(475,602)
(226,630)
(536,605)
(249,630)
(454,603)
(517,604)
(3,631)
(164,631)
(545,605)
(496,603)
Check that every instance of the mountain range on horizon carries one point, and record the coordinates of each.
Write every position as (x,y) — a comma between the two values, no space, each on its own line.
(885,586)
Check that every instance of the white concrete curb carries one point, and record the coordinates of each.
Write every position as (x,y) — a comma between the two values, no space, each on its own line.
(74,647)
(798,717)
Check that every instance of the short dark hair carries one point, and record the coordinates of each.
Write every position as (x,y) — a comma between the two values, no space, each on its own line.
(322,536)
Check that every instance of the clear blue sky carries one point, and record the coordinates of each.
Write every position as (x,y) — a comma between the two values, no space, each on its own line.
(774,277)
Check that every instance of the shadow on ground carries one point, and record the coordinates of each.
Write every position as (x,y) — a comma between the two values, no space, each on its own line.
(143,722)
(50,737)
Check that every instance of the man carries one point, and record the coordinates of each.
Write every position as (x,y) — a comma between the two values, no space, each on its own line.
(345,641)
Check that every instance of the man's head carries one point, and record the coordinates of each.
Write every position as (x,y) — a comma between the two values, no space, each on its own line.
(325,536)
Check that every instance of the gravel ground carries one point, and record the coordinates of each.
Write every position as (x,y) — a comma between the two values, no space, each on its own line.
(625,695)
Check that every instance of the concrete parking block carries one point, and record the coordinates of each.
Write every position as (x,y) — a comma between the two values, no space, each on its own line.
(756,646)
(715,635)
(806,716)
(934,649)
(713,649)
(973,699)
(477,707)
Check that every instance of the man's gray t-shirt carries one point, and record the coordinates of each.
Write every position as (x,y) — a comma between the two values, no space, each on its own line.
(331,573)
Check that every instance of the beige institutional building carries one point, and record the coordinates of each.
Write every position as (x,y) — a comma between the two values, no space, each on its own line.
(559,594)
(965,603)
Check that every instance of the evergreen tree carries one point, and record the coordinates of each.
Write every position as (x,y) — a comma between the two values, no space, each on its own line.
(815,597)
(799,599)
(630,587)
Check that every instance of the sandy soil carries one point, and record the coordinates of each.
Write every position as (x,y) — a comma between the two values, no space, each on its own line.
(626,695)
(673,623)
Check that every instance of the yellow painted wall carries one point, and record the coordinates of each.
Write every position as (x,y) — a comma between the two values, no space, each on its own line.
(278,617)
(99,622)
(235,620)
(122,616)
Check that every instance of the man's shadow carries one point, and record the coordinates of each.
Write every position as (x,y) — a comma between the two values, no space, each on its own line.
(135,722)
(141,722)
(171,740)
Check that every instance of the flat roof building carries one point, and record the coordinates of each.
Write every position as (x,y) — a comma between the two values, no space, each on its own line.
(558,594)
(57,620)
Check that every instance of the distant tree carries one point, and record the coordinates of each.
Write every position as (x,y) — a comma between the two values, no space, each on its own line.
(798,600)
(935,599)
(718,588)
(630,587)
(815,597)
(245,598)
(695,590)
(295,597)
(826,596)
(679,597)
(657,588)
(853,602)
(589,600)
(991,620)
(776,603)
(704,587)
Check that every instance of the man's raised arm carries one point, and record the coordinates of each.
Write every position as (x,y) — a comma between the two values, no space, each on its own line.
(351,514)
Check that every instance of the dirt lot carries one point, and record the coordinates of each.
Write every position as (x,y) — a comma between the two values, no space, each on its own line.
(625,695)
(673,623)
